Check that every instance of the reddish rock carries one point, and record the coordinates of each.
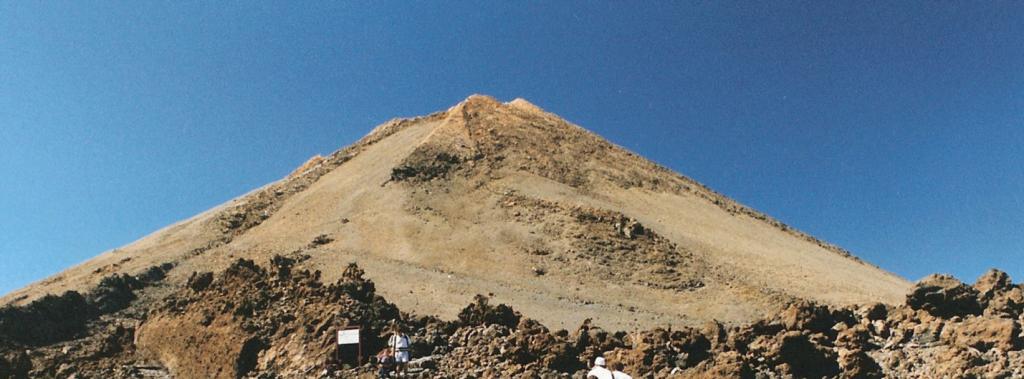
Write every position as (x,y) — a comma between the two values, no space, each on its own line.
(856,364)
(805,358)
(725,365)
(854,338)
(984,333)
(1008,304)
(991,282)
(944,296)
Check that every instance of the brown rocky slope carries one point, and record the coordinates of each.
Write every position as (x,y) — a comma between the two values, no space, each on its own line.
(277,321)
(505,198)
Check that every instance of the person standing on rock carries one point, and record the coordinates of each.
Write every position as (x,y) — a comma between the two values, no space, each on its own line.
(399,343)
(599,371)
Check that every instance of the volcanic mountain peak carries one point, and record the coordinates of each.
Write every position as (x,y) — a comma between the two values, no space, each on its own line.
(506,198)
(527,106)
(509,200)
(467,114)
(453,134)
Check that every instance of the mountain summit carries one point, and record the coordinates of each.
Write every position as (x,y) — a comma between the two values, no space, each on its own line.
(510,200)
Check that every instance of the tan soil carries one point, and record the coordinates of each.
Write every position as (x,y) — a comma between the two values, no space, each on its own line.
(482,197)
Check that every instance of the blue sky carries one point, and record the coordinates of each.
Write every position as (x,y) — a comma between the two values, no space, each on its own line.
(894,130)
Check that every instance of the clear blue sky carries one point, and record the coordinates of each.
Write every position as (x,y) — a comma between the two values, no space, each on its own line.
(894,130)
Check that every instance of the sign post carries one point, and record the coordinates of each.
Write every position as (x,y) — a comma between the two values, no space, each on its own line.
(350,336)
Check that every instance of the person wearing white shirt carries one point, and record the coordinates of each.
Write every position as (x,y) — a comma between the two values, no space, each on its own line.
(617,371)
(599,371)
(399,343)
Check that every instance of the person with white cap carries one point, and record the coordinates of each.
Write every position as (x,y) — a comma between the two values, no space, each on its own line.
(599,371)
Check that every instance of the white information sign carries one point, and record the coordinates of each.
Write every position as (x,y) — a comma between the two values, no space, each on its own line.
(348,337)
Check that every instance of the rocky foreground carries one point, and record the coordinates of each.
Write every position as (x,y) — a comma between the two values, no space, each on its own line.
(279,322)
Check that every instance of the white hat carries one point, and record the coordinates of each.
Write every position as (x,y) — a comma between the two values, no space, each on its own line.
(599,361)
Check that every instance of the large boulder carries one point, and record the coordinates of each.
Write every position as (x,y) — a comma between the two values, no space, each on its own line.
(856,364)
(660,350)
(944,296)
(991,282)
(728,364)
(966,362)
(873,312)
(481,312)
(114,293)
(1009,304)
(808,316)
(983,333)
(804,357)
(998,295)
(854,338)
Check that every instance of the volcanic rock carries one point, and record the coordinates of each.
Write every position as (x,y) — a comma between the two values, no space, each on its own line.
(991,282)
(984,333)
(859,365)
(944,296)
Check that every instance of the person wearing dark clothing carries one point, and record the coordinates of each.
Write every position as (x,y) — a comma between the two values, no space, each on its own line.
(386,362)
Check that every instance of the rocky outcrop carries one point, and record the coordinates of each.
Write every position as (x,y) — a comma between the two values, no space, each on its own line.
(991,283)
(983,333)
(53,319)
(251,319)
(480,312)
(47,320)
(424,167)
(944,296)
(625,249)
(278,321)
(999,295)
